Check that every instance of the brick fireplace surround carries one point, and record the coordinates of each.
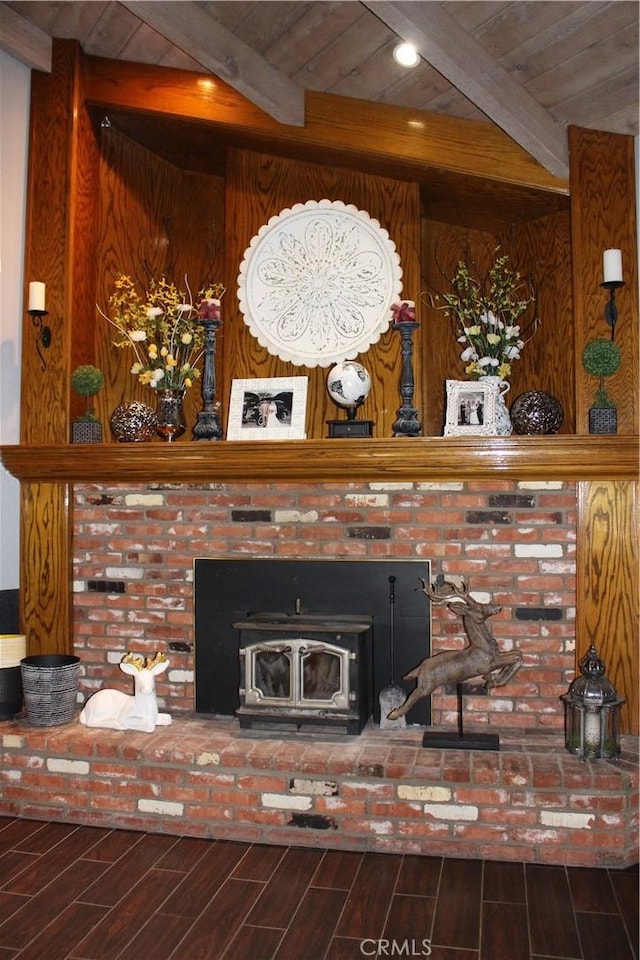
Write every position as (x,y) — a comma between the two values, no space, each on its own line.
(134,548)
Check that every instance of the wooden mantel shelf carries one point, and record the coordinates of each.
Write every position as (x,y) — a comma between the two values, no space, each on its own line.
(408,459)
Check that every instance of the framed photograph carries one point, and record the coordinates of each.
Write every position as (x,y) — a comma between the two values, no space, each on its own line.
(471,409)
(268,409)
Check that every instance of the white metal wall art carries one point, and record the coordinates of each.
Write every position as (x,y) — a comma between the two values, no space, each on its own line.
(317,282)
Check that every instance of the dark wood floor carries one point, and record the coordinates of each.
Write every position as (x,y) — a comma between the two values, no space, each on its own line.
(96,894)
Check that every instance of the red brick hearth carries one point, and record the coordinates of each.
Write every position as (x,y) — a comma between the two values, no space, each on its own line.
(531,801)
(134,548)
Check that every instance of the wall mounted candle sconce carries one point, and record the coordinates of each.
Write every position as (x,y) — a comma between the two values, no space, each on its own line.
(612,272)
(37,311)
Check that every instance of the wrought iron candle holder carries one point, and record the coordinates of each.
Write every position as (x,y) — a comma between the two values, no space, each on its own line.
(612,268)
(407,423)
(207,426)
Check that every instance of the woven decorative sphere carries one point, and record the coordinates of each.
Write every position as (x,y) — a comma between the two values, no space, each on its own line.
(536,412)
(133,422)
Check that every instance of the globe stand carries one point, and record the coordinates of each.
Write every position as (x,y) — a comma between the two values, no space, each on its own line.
(350,394)
(351,427)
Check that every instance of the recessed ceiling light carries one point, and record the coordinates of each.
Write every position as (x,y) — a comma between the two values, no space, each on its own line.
(406,55)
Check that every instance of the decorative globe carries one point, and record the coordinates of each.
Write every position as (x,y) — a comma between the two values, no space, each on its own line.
(133,422)
(536,412)
(349,384)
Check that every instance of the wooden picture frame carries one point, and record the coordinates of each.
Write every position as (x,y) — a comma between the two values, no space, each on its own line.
(471,408)
(270,408)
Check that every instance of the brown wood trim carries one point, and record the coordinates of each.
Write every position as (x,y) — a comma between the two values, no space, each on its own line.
(402,135)
(431,458)
(45,568)
(607,592)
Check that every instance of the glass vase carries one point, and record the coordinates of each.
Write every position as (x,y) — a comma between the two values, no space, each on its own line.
(171,422)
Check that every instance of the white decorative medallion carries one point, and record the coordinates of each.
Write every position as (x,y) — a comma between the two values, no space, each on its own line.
(317,282)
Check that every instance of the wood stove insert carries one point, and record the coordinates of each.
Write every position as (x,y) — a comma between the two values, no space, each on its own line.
(305,672)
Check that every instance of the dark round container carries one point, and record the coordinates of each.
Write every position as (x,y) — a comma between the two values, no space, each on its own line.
(50,686)
(10,692)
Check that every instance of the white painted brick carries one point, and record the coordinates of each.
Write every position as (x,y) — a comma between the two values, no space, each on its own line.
(382,828)
(574,821)
(317,788)
(163,807)
(396,485)
(124,573)
(544,550)
(103,528)
(13,740)
(451,811)
(11,775)
(180,676)
(285,803)
(435,794)
(450,485)
(144,500)
(208,759)
(567,566)
(295,516)
(79,586)
(540,485)
(67,766)
(366,500)
(499,706)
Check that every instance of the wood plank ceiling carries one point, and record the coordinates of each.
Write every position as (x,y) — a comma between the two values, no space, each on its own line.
(531,67)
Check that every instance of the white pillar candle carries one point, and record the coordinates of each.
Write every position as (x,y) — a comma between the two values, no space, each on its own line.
(37,296)
(612,266)
(592,729)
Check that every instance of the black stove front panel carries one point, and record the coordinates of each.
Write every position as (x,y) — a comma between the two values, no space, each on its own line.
(228,591)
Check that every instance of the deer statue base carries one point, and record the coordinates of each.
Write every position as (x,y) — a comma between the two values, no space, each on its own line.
(445,740)
(442,740)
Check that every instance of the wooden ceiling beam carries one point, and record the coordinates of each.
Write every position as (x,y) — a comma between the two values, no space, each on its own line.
(441,41)
(222,53)
(24,41)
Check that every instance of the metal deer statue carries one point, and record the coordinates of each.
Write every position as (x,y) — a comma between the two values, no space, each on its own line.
(480,658)
(116,710)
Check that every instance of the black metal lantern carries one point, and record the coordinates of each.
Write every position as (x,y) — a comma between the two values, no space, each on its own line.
(591,705)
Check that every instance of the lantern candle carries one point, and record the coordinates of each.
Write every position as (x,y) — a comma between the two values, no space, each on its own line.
(612,266)
(37,296)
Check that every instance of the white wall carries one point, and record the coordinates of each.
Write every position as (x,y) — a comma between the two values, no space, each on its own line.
(14,119)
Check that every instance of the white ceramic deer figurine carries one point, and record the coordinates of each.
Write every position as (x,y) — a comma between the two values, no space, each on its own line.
(120,711)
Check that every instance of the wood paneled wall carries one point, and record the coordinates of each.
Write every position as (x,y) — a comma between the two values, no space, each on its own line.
(99,203)
(260,186)
(154,220)
(603,215)
(609,585)
(540,251)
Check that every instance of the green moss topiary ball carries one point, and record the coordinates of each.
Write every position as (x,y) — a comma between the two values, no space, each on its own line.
(601,357)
